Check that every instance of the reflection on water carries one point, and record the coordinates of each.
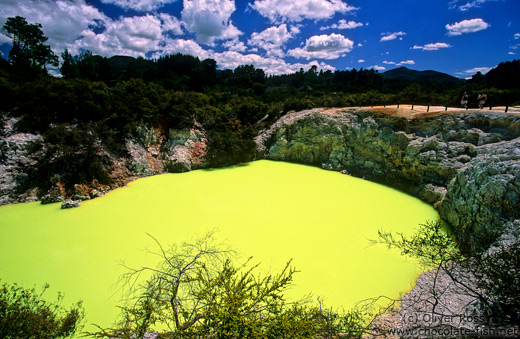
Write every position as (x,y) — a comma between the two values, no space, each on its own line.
(273,211)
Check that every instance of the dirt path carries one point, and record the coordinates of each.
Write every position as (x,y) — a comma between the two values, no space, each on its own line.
(419,111)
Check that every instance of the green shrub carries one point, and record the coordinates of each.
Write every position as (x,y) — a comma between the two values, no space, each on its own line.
(25,315)
(197,291)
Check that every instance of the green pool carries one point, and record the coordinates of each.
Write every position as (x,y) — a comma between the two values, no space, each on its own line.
(273,211)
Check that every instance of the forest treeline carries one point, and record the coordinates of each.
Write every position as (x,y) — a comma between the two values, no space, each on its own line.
(110,99)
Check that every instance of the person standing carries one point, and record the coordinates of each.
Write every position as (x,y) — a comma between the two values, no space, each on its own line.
(482,100)
(464,100)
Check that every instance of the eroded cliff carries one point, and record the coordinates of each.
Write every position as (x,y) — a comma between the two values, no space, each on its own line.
(148,151)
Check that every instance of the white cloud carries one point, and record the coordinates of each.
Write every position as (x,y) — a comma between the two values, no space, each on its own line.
(132,36)
(63,21)
(377,68)
(170,24)
(511,53)
(231,59)
(4,39)
(298,10)
(482,70)
(210,19)
(468,5)
(467,26)
(139,5)
(273,39)
(392,36)
(343,24)
(323,47)
(517,36)
(189,47)
(361,61)
(432,47)
(273,66)
(405,62)
(235,45)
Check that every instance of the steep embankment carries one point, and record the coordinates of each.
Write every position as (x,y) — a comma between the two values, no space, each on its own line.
(466,164)
(148,152)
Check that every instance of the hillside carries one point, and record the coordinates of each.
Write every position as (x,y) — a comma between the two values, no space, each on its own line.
(406,74)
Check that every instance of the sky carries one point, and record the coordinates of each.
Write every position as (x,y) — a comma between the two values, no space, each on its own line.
(458,37)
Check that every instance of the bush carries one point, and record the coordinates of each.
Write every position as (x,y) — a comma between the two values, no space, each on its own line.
(24,314)
(198,292)
(491,278)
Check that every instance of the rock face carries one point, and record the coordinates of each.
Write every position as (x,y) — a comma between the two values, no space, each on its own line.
(12,161)
(467,165)
(148,152)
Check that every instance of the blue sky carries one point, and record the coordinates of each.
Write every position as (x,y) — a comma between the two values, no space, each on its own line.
(458,37)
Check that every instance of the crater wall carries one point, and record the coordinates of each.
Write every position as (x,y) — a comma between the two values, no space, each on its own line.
(466,164)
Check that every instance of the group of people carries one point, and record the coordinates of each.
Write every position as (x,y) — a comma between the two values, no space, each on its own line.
(481,100)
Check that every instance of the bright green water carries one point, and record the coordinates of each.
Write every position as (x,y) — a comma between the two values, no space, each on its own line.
(271,210)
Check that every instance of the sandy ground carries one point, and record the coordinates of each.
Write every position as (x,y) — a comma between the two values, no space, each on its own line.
(418,111)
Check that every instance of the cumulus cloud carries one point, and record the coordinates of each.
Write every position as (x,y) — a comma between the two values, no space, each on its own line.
(189,47)
(273,39)
(517,36)
(63,21)
(361,60)
(298,10)
(343,24)
(170,24)
(271,65)
(377,68)
(323,47)
(210,19)
(132,36)
(139,5)
(392,36)
(406,62)
(432,47)
(235,45)
(231,59)
(467,26)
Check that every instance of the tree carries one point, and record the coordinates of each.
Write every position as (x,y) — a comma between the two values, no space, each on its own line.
(489,280)
(197,292)
(24,314)
(28,51)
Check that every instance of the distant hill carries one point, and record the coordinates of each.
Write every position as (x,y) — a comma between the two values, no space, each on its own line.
(120,62)
(405,74)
